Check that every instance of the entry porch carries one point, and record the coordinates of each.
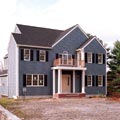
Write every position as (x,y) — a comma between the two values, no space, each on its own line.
(68,82)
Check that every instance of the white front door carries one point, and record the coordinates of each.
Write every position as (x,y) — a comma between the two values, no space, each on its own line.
(66,83)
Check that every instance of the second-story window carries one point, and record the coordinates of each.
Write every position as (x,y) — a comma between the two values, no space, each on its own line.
(26,54)
(42,55)
(100,58)
(89,57)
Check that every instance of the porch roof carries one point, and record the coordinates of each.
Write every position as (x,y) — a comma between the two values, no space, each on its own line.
(68,68)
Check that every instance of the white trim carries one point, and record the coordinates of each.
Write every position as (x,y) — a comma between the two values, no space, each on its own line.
(32,46)
(59,81)
(101,80)
(89,57)
(24,55)
(73,81)
(69,33)
(17,71)
(101,58)
(37,80)
(53,82)
(90,81)
(83,81)
(94,38)
(44,55)
(68,68)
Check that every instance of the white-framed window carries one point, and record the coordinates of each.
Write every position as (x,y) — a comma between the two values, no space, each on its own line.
(27,54)
(42,55)
(89,57)
(89,80)
(35,80)
(41,80)
(100,58)
(100,80)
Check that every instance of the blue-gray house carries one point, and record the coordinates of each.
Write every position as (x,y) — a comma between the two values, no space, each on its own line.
(58,63)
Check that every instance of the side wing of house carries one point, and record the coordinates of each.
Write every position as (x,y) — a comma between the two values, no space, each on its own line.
(12,68)
(95,62)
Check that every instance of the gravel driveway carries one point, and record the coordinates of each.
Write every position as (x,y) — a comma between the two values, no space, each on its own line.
(71,109)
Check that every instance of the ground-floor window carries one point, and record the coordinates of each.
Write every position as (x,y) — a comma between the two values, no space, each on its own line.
(35,80)
(89,80)
(100,80)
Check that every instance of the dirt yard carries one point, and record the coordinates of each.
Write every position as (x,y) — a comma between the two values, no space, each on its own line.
(69,109)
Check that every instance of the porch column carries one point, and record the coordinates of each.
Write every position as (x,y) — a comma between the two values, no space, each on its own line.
(53,81)
(73,81)
(59,81)
(83,81)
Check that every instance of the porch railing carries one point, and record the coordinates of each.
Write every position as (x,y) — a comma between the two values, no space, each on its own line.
(69,62)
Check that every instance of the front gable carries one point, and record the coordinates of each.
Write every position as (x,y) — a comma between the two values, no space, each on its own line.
(71,41)
(94,46)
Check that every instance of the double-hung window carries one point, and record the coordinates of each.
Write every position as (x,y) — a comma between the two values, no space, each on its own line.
(89,57)
(100,58)
(27,54)
(89,80)
(42,55)
(100,80)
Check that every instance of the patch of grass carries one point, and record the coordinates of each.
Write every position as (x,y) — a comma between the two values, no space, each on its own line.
(5,102)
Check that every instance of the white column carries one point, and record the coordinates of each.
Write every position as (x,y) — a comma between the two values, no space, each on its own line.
(73,81)
(78,58)
(53,81)
(59,81)
(83,81)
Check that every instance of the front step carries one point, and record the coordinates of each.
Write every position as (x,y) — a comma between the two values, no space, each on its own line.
(69,95)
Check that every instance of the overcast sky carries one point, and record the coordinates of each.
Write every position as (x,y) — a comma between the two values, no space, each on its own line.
(97,17)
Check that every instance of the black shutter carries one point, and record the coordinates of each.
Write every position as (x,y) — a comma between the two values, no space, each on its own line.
(31,55)
(45,80)
(24,80)
(73,56)
(22,54)
(85,80)
(93,81)
(47,56)
(93,61)
(37,55)
(103,80)
(85,57)
(96,58)
(104,59)
(57,56)
(96,80)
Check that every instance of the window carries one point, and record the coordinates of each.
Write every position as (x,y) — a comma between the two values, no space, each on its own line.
(41,80)
(35,80)
(100,80)
(29,80)
(100,58)
(89,80)
(26,54)
(89,57)
(42,55)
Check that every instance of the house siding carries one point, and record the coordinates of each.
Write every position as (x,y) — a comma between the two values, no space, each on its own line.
(12,68)
(4,85)
(94,68)
(35,67)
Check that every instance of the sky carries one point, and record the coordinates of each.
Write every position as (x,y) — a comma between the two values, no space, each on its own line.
(97,17)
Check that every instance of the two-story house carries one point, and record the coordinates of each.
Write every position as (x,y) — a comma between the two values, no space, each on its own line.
(61,63)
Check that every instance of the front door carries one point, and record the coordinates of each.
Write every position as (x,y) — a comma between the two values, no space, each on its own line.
(66,83)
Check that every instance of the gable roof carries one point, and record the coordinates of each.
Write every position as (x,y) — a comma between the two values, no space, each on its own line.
(36,36)
(41,37)
(88,41)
